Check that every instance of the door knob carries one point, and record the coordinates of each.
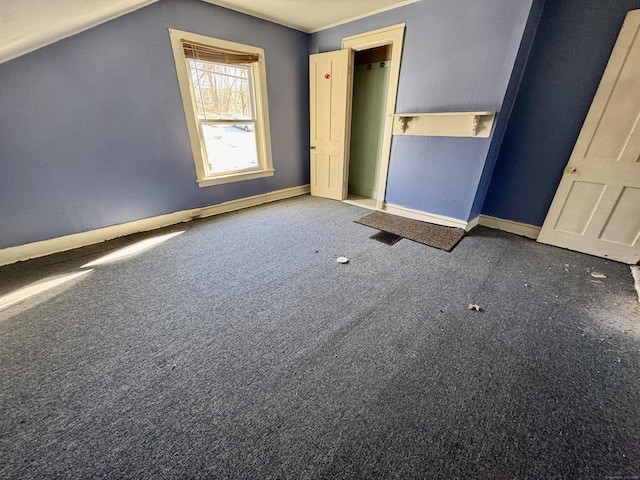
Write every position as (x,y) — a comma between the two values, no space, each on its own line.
(312,147)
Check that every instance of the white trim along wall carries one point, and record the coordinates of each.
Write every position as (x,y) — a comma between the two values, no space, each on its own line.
(76,240)
(522,229)
(426,217)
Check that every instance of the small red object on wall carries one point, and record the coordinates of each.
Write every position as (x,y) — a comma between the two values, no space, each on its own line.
(327,76)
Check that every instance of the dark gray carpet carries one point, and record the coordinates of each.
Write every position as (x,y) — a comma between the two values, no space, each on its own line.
(242,349)
(438,236)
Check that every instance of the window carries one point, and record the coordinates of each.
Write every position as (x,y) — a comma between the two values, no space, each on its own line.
(223,87)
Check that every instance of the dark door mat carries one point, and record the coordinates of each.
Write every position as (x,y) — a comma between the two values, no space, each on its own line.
(437,236)
(387,238)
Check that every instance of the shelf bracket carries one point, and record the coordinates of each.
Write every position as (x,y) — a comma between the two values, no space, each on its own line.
(474,125)
(405,123)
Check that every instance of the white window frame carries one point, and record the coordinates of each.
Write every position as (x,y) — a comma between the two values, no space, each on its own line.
(262,131)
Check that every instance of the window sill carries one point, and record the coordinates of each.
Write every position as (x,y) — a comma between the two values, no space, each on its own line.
(235,177)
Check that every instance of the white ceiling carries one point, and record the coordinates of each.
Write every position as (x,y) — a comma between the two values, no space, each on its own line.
(311,15)
(26,25)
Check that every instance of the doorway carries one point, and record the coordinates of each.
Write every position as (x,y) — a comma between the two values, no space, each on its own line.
(331,101)
(371,69)
(378,46)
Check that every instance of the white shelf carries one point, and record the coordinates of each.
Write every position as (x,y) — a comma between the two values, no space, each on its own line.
(444,124)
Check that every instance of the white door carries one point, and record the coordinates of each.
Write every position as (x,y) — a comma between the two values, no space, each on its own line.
(596,209)
(330,80)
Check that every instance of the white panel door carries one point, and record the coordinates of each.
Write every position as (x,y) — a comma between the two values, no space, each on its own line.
(596,209)
(329,93)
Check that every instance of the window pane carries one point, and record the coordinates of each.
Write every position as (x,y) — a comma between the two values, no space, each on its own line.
(230,147)
(226,109)
(222,91)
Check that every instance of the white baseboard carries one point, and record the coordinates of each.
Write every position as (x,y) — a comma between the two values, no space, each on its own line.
(523,229)
(76,240)
(635,273)
(474,222)
(425,217)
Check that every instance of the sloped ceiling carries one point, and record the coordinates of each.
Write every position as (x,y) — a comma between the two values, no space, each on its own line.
(26,25)
(310,15)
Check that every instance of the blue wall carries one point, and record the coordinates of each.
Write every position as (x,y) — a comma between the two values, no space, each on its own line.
(92,128)
(458,56)
(507,106)
(568,56)
(93,134)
